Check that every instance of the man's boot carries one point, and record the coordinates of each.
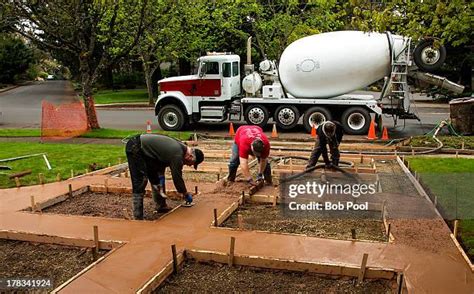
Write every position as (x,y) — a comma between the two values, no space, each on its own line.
(232,174)
(138,206)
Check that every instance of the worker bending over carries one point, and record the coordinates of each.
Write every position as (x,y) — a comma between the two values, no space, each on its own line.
(250,140)
(328,133)
(148,156)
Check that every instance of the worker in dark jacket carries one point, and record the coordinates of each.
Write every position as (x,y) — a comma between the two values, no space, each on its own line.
(328,133)
(148,156)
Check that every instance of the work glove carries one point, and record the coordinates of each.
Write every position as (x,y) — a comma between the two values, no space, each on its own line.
(188,198)
(259,177)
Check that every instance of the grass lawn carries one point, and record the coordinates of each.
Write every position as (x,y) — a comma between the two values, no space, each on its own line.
(100,133)
(451,180)
(62,157)
(448,141)
(121,96)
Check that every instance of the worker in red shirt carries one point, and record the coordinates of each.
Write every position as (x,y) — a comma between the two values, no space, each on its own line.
(250,140)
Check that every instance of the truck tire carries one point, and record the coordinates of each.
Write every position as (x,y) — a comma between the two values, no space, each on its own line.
(171,118)
(315,115)
(286,117)
(256,115)
(355,121)
(429,57)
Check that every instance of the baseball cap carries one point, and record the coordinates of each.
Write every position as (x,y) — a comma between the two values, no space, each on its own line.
(199,156)
(257,147)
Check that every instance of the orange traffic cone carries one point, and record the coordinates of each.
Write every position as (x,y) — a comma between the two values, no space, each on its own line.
(371,135)
(274,131)
(148,127)
(313,132)
(231,130)
(385,134)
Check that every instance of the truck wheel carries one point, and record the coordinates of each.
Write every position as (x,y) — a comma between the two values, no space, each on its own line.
(355,120)
(256,115)
(286,117)
(315,116)
(429,57)
(171,118)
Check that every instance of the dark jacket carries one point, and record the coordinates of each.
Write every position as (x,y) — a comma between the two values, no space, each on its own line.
(164,151)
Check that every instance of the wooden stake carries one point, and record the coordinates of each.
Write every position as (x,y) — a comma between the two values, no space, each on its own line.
(70,190)
(457,154)
(353,233)
(195,190)
(215,218)
(362,268)
(274,200)
(231,251)
(58,177)
(120,160)
(412,151)
(240,221)
(243,197)
(175,259)
(86,171)
(291,165)
(72,173)
(41,178)
(455,230)
(396,153)
(462,145)
(95,250)
(17,182)
(33,203)
(383,210)
(389,229)
(361,158)
(436,201)
(400,284)
(218,177)
(106,185)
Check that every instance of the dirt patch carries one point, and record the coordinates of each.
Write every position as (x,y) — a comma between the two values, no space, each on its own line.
(217,278)
(21,259)
(112,205)
(320,224)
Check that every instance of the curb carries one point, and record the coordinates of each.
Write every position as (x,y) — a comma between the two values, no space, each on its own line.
(9,88)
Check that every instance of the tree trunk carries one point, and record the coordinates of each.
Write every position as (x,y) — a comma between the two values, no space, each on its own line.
(154,80)
(149,86)
(184,67)
(87,82)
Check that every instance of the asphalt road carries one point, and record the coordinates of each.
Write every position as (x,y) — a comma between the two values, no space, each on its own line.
(21,108)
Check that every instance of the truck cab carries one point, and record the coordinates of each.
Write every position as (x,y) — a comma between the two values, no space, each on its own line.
(204,96)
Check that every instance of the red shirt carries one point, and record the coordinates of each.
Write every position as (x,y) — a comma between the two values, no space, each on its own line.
(244,138)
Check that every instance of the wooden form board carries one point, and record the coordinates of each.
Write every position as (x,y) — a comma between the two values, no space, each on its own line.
(463,253)
(161,276)
(49,239)
(63,285)
(60,198)
(292,265)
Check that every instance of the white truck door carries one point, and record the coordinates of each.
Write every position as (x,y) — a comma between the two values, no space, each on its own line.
(226,80)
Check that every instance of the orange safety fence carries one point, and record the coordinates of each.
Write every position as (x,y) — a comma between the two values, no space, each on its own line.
(63,121)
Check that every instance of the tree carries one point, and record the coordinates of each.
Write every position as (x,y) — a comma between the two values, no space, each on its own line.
(15,58)
(158,41)
(97,32)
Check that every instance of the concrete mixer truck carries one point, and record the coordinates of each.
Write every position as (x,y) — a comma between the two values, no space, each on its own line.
(311,83)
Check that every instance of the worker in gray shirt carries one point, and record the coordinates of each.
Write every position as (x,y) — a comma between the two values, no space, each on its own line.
(148,156)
